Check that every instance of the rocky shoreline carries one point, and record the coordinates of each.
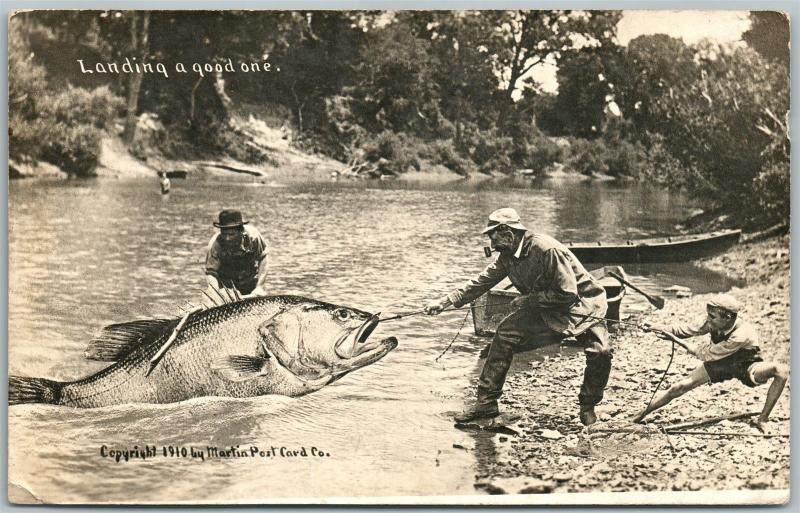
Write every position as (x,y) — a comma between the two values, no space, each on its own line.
(548,451)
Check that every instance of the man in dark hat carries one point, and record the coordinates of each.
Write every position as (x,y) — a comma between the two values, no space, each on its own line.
(237,256)
(556,289)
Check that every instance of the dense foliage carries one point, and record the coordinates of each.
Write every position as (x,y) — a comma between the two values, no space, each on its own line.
(63,126)
(388,92)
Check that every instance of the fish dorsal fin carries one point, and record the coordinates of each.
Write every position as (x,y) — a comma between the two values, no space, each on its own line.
(118,340)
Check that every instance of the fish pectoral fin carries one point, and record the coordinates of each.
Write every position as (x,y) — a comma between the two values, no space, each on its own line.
(240,367)
(116,341)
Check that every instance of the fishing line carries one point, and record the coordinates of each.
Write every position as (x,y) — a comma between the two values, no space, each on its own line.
(454,338)
(463,323)
(663,376)
(657,331)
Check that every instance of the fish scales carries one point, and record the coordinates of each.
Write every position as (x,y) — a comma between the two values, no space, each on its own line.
(182,373)
(285,345)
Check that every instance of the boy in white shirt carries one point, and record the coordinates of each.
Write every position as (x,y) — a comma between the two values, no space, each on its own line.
(732,352)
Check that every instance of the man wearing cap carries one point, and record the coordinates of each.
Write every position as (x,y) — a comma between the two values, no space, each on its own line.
(236,256)
(731,352)
(556,294)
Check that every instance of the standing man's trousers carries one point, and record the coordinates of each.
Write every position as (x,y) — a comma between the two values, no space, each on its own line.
(528,328)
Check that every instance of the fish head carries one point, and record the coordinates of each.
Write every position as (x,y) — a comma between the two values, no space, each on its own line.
(315,340)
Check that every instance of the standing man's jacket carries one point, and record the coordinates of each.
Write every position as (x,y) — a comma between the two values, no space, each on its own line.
(557,284)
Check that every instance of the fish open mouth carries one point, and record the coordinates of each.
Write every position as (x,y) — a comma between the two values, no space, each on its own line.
(358,343)
(367,328)
(372,353)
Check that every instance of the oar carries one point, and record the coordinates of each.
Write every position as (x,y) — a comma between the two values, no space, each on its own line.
(656,301)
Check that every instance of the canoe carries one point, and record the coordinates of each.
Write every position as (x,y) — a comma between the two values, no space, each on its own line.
(682,248)
(489,309)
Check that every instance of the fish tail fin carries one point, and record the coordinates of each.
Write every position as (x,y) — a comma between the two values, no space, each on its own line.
(23,390)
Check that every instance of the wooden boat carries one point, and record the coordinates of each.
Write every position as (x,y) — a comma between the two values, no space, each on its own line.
(682,248)
(489,309)
(177,173)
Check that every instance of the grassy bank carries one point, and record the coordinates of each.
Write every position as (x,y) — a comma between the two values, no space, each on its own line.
(552,453)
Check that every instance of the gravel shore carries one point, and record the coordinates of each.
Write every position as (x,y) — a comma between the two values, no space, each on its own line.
(548,451)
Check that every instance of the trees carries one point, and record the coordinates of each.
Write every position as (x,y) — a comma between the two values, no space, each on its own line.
(139,48)
(653,67)
(523,39)
(114,34)
(316,52)
(728,128)
(61,126)
(451,86)
(769,35)
(584,89)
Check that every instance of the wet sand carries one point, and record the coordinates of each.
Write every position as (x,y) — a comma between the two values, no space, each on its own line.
(548,451)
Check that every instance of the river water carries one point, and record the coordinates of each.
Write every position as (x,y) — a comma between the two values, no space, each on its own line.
(84,254)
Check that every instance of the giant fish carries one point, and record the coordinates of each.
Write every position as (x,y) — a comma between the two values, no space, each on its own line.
(285,345)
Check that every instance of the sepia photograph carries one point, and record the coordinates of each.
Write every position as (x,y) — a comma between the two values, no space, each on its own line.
(403,257)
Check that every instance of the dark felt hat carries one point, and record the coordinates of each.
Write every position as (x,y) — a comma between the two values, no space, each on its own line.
(230,219)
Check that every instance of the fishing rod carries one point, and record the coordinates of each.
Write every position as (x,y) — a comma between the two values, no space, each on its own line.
(657,331)
(419,312)
(669,336)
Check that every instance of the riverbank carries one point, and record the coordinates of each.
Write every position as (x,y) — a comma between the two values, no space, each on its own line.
(285,163)
(550,452)
(282,161)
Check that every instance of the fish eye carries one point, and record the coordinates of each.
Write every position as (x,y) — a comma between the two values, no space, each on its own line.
(343,314)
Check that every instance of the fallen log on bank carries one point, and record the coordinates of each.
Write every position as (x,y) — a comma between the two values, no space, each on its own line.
(228,167)
(728,433)
(712,420)
(684,428)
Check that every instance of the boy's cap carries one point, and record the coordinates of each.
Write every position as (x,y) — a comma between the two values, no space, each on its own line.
(725,302)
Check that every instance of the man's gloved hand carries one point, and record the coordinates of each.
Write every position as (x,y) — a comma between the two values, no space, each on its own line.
(521,301)
(436,306)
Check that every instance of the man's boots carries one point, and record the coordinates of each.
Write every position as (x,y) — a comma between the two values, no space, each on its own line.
(480,410)
(587,415)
